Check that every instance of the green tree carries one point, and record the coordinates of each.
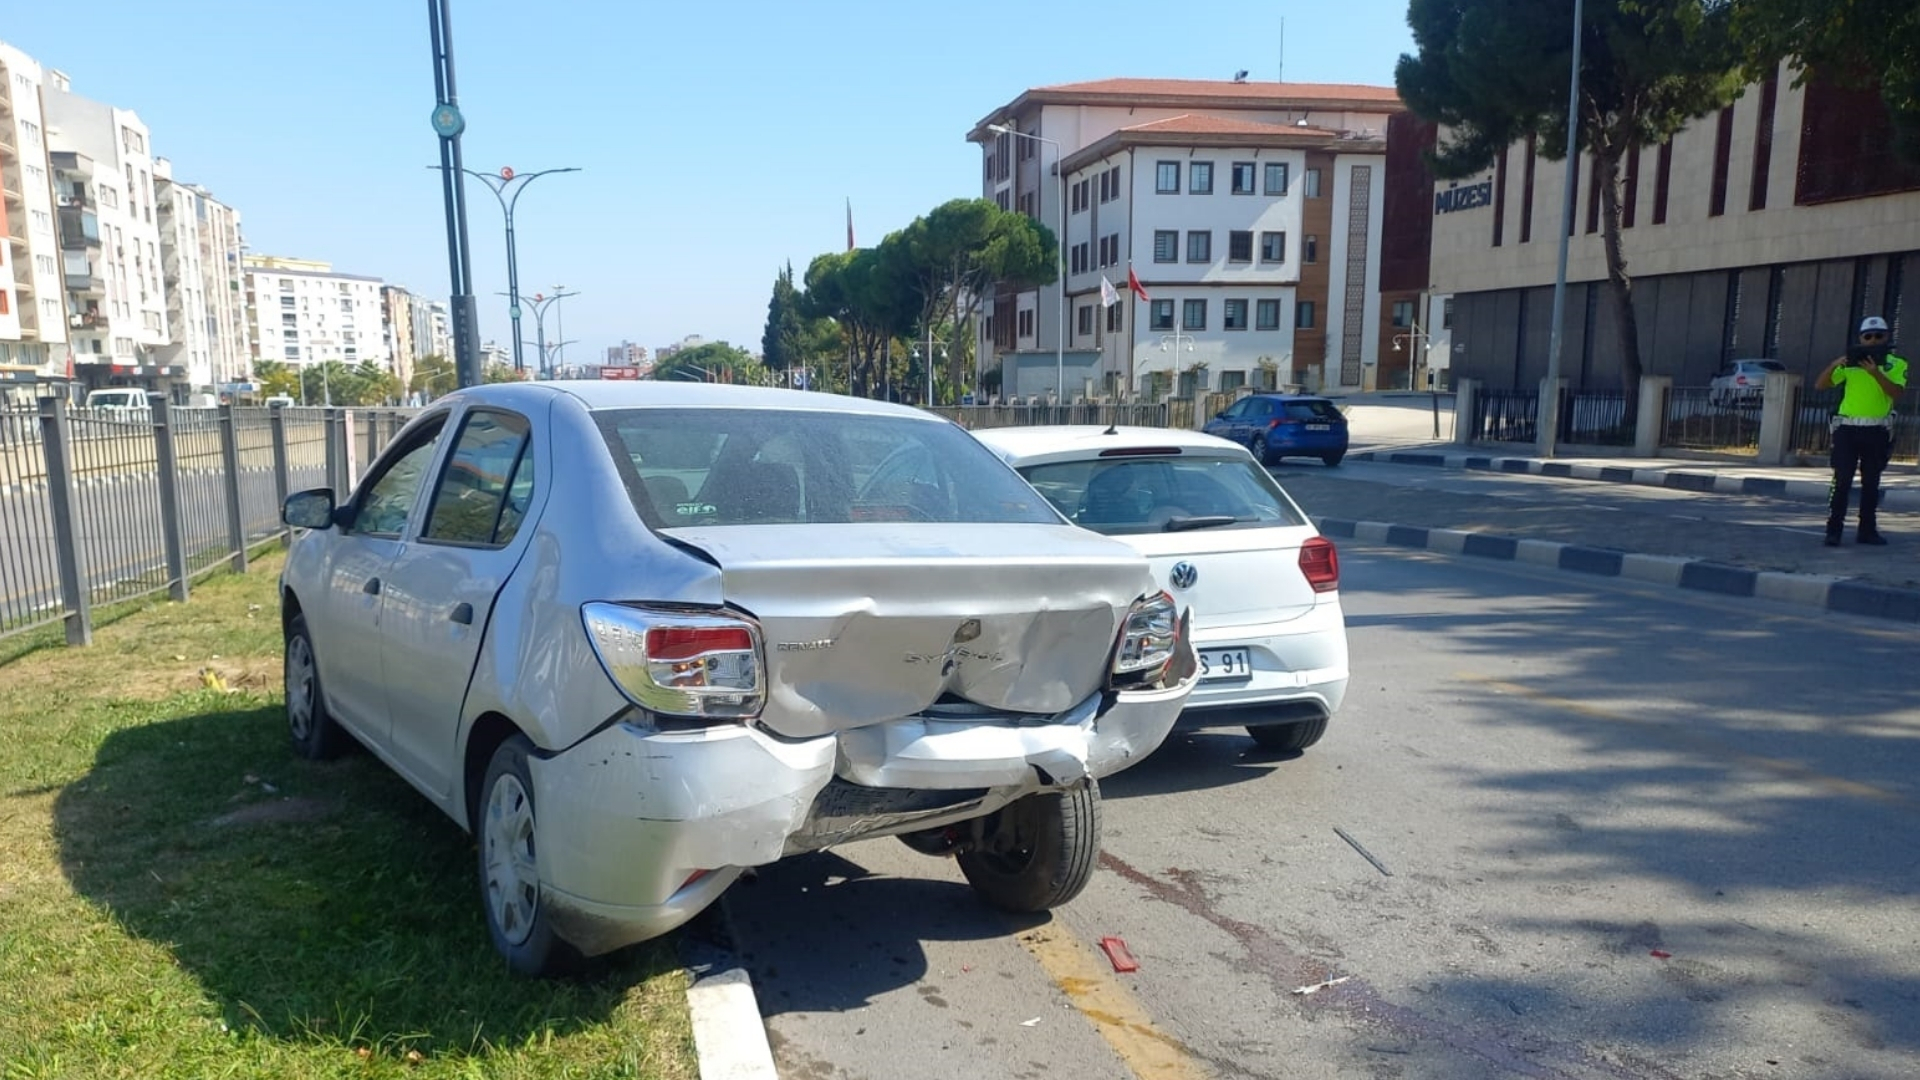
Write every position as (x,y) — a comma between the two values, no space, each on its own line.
(1859,44)
(435,375)
(785,336)
(856,291)
(713,361)
(499,373)
(1494,71)
(276,379)
(950,260)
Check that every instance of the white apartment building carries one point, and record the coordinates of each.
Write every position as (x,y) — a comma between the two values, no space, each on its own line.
(110,240)
(200,253)
(432,328)
(1238,205)
(396,324)
(33,318)
(305,313)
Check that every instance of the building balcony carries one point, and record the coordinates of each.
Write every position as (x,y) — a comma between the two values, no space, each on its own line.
(79,273)
(71,201)
(87,320)
(79,229)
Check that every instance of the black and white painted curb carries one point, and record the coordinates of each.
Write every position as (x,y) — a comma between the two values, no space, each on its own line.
(729,1036)
(1836,594)
(1811,489)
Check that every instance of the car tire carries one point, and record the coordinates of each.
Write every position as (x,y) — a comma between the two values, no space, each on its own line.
(1259,448)
(1333,459)
(311,729)
(1288,738)
(1049,843)
(509,867)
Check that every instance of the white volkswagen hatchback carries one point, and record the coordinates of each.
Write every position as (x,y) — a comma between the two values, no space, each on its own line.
(1225,538)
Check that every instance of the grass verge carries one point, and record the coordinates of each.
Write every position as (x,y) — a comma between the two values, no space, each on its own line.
(180,896)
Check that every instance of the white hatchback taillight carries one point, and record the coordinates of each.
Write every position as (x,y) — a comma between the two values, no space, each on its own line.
(1320,562)
(1149,638)
(680,664)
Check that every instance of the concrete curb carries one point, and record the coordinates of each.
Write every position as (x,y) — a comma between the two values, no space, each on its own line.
(1836,594)
(729,1036)
(1679,479)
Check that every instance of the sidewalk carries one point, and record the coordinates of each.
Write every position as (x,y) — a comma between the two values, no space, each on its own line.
(1899,485)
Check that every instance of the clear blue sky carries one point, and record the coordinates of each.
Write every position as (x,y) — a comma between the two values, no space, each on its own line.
(719,139)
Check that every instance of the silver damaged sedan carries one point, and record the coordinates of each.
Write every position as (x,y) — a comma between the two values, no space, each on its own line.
(639,637)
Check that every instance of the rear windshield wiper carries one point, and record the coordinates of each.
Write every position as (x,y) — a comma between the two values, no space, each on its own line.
(1208,521)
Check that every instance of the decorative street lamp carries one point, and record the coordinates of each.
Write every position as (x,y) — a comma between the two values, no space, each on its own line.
(499,184)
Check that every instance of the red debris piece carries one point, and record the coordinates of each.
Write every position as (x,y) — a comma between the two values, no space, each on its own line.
(1117,953)
(1661,954)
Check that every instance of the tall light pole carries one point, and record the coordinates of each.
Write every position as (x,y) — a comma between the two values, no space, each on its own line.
(448,123)
(499,184)
(1549,414)
(560,328)
(1174,339)
(1060,253)
(541,302)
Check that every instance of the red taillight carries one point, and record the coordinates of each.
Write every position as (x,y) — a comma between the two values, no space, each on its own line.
(1320,562)
(676,643)
(1274,423)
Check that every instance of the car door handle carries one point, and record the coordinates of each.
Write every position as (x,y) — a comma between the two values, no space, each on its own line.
(372,587)
(462,614)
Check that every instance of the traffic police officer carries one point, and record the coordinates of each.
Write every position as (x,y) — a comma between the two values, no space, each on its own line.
(1870,377)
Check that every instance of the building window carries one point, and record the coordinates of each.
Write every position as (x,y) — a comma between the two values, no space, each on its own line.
(1273,247)
(1200,246)
(1243,178)
(1662,174)
(288,318)
(1402,314)
(1166,178)
(1239,246)
(292,352)
(1303,315)
(1085,318)
(1078,261)
(1312,249)
(1113,177)
(1026,204)
(1000,199)
(1277,178)
(1116,318)
(1266,315)
(1162,317)
(1026,323)
(1200,178)
(1446,313)
(1193,315)
(1236,315)
(1313,183)
(1722,163)
(286,303)
(1166,245)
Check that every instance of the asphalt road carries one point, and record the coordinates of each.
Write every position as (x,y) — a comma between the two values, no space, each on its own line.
(1620,832)
(119,532)
(1746,530)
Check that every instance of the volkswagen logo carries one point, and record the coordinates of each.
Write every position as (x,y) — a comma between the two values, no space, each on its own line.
(1184,575)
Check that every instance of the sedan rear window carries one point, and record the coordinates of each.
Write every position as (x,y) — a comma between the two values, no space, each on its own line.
(770,466)
(1140,495)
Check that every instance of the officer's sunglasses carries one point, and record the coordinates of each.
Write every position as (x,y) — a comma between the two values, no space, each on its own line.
(1873,335)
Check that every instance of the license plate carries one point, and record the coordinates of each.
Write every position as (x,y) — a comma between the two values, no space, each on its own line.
(1225,664)
(1319,427)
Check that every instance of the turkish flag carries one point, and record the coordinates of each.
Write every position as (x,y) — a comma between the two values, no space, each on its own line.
(1133,282)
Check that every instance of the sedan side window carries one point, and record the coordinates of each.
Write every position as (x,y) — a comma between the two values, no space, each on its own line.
(1238,410)
(484,467)
(388,502)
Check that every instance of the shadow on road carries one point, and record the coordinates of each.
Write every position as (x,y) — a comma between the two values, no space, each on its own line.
(826,935)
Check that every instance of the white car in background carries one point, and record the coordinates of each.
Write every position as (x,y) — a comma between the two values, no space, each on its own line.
(1223,537)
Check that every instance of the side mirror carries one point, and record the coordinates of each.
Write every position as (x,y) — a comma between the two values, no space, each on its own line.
(312,509)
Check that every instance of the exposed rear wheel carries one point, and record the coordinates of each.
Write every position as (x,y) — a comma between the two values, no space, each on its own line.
(1287,737)
(510,868)
(1259,448)
(1039,851)
(1333,458)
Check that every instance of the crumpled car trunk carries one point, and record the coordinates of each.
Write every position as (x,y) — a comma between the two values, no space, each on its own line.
(865,623)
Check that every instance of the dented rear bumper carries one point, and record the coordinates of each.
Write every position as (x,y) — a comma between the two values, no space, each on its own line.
(640,829)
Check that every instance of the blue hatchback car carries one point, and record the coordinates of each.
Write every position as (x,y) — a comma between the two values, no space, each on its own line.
(1276,426)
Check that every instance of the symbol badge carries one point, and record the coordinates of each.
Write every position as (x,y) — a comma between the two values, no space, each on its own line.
(1184,575)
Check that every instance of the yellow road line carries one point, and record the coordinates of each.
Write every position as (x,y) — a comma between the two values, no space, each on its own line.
(1673,735)
(1115,1013)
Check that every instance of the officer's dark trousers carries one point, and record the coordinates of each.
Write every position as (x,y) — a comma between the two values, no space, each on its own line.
(1866,449)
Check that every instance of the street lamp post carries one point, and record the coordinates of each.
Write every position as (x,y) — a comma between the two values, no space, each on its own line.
(1060,253)
(1549,415)
(1171,342)
(560,327)
(1418,338)
(498,184)
(541,302)
(928,357)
